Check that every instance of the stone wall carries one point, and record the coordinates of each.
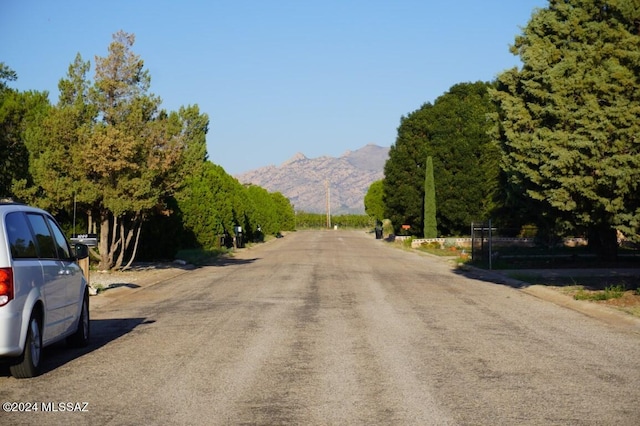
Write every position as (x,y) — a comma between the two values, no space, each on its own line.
(495,242)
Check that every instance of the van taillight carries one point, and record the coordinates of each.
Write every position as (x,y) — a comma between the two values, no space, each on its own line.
(6,285)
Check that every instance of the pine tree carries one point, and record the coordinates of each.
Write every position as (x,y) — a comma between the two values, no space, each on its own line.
(108,146)
(570,118)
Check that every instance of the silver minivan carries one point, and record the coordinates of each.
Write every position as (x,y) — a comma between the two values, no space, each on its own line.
(44,295)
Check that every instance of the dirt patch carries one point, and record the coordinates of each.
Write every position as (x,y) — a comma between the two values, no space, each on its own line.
(629,299)
(138,275)
(587,283)
(629,302)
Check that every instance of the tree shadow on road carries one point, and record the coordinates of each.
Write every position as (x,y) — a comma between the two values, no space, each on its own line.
(229,261)
(103,332)
(490,276)
(591,280)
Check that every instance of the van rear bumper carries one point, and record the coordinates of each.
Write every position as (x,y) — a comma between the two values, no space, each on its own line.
(10,327)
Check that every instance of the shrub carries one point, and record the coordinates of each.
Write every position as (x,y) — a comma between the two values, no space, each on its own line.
(434,245)
(387,227)
(407,242)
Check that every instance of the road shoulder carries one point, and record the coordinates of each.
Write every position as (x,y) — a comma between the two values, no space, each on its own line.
(604,313)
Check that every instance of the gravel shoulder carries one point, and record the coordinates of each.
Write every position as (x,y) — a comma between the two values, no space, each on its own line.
(547,288)
(113,285)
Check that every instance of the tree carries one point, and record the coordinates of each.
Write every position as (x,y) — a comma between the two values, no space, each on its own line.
(193,126)
(569,118)
(284,211)
(56,146)
(202,214)
(263,210)
(109,147)
(19,113)
(373,201)
(271,211)
(453,131)
(6,75)
(430,223)
(213,202)
(466,159)
(133,153)
(403,184)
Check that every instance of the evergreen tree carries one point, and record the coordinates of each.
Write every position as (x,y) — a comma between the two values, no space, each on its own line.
(133,153)
(202,212)
(57,146)
(284,212)
(263,211)
(570,117)
(403,184)
(465,159)
(193,126)
(19,114)
(373,202)
(430,223)
(6,75)
(108,146)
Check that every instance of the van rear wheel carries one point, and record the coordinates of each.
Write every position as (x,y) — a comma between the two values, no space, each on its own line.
(28,364)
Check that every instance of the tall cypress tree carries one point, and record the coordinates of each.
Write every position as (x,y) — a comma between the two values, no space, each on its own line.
(430,224)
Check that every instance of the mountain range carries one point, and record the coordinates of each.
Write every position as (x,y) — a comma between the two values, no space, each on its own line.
(312,184)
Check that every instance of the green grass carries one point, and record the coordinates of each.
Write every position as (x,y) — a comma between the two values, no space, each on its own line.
(611,292)
(633,310)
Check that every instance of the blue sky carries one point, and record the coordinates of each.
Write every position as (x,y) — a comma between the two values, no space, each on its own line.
(276,77)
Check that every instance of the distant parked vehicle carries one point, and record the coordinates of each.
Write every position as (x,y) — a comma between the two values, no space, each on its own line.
(44,296)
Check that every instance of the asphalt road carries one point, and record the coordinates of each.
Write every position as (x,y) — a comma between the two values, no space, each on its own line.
(336,328)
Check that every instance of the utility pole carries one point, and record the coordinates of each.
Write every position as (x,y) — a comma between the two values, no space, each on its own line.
(328,198)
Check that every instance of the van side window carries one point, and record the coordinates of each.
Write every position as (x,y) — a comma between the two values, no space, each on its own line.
(61,242)
(21,240)
(44,239)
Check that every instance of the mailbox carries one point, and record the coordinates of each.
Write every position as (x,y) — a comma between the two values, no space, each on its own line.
(90,240)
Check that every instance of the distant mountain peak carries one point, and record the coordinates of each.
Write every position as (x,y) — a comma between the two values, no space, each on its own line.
(297,157)
(303,180)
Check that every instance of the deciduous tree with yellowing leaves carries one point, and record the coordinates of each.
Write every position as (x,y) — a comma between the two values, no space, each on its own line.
(109,146)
